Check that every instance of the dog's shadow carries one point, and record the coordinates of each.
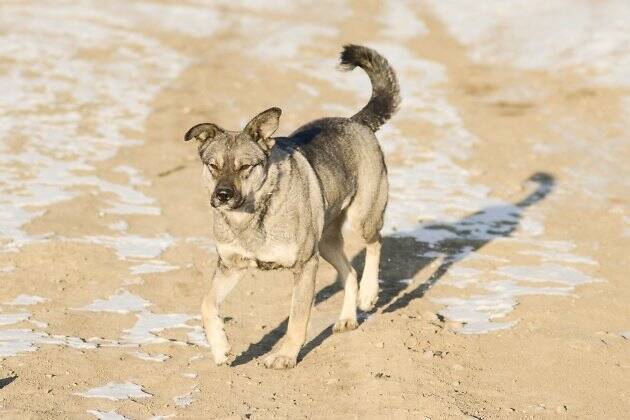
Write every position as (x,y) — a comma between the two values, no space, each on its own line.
(406,253)
(6,381)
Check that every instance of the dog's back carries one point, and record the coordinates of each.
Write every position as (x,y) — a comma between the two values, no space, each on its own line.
(344,152)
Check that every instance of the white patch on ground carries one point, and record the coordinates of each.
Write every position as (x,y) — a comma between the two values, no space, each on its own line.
(74,342)
(479,313)
(27,300)
(154,266)
(463,277)
(160,357)
(123,302)
(107,415)
(143,332)
(626,335)
(116,391)
(7,269)
(589,37)
(134,246)
(546,273)
(133,281)
(119,226)
(195,357)
(138,249)
(198,336)
(562,257)
(38,324)
(147,322)
(131,208)
(16,341)
(184,400)
(8,319)
(134,175)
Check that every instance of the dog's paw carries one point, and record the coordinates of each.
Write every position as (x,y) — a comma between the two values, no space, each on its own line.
(367,300)
(221,353)
(280,361)
(221,359)
(346,324)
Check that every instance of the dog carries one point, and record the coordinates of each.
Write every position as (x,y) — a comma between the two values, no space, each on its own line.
(281,202)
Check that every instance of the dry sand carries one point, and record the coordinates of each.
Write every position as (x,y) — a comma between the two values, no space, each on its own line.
(501,297)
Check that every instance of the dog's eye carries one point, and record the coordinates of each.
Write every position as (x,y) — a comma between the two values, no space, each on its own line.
(213,167)
(244,168)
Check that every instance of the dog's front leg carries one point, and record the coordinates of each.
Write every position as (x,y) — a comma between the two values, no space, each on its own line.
(223,281)
(301,303)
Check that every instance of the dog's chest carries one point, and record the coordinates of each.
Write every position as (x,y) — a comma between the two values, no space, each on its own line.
(258,250)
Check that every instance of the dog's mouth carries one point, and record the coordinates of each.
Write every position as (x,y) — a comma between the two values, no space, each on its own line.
(231,204)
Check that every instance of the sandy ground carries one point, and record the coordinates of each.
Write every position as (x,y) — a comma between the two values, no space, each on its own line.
(505,261)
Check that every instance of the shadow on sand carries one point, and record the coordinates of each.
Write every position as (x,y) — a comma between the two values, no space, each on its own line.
(6,381)
(406,253)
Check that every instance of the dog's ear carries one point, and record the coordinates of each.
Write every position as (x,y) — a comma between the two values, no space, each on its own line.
(263,125)
(203,132)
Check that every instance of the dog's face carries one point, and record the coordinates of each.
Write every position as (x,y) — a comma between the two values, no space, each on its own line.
(235,162)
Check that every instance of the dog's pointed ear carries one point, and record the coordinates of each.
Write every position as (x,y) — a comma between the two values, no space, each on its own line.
(203,132)
(263,125)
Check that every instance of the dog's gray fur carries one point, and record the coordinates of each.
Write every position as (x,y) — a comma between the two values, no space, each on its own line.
(281,203)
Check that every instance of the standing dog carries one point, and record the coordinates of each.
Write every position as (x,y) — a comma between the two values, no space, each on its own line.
(280,203)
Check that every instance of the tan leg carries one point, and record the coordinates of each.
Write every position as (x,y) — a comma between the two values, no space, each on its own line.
(331,249)
(301,303)
(368,293)
(223,281)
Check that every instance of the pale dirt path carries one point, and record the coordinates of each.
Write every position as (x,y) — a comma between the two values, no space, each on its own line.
(562,351)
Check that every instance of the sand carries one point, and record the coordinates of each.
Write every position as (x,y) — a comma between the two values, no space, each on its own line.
(505,258)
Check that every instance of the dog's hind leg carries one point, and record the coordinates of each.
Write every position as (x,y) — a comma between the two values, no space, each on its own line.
(331,249)
(365,215)
(223,282)
(368,294)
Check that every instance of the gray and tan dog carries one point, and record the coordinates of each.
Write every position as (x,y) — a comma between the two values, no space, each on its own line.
(280,203)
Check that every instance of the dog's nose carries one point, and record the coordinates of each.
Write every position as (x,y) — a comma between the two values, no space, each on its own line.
(224,194)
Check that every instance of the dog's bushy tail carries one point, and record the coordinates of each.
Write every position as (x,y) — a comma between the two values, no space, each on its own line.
(385,91)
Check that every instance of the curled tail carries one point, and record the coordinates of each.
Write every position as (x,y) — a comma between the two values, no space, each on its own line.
(385,91)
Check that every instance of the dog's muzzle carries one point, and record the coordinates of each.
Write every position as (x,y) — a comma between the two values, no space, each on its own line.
(225,197)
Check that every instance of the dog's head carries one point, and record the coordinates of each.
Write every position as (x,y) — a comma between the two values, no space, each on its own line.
(235,162)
